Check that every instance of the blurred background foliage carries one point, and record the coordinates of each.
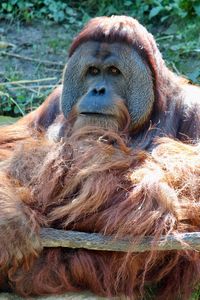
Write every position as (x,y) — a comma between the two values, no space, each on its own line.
(174,23)
(61,10)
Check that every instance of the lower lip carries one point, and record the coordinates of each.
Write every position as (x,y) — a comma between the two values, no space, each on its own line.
(96,115)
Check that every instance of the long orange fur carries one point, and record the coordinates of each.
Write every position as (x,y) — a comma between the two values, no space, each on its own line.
(93,181)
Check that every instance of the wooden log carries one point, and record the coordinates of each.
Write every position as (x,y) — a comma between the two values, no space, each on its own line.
(67,296)
(95,241)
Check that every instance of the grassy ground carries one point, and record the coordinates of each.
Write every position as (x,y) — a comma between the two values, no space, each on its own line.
(32,60)
(33,55)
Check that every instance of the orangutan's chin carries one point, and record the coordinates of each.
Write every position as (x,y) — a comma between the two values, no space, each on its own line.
(97,120)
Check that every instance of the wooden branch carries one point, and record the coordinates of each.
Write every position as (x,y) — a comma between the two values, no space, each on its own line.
(95,241)
(32,87)
(44,62)
(27,81)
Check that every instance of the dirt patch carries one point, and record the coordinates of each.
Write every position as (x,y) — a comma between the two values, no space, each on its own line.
(44,41)
(30,52)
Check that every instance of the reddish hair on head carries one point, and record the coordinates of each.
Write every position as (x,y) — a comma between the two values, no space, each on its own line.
(126,30)
(111,29)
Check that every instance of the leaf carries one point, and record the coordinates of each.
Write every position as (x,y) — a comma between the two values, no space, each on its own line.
(9,7)
(197,9)
(4,5)
(164,18)
(13,2)
(128,3)
(155,11)
(176,47)
(194,75)
(7,109)
(71,11)
(172,29)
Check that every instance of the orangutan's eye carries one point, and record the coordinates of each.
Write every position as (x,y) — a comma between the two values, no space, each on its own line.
(114,71)
(93,71)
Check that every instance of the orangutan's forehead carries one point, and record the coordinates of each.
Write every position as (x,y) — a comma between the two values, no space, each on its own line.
(102,50)
(118,54)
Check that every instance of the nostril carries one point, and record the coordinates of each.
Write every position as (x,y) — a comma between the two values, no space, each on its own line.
(94,92)
(98,91)
(102,91)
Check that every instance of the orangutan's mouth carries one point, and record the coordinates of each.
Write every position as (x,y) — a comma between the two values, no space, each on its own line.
(106,121)
(95,115)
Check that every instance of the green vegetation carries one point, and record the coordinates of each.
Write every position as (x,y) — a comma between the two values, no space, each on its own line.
(196,295)
(61,10)
(178,36)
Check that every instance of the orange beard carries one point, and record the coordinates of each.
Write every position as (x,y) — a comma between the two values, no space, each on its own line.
(93,182)
(118,120)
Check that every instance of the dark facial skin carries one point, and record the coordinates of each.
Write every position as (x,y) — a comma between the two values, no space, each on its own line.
(99,77)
